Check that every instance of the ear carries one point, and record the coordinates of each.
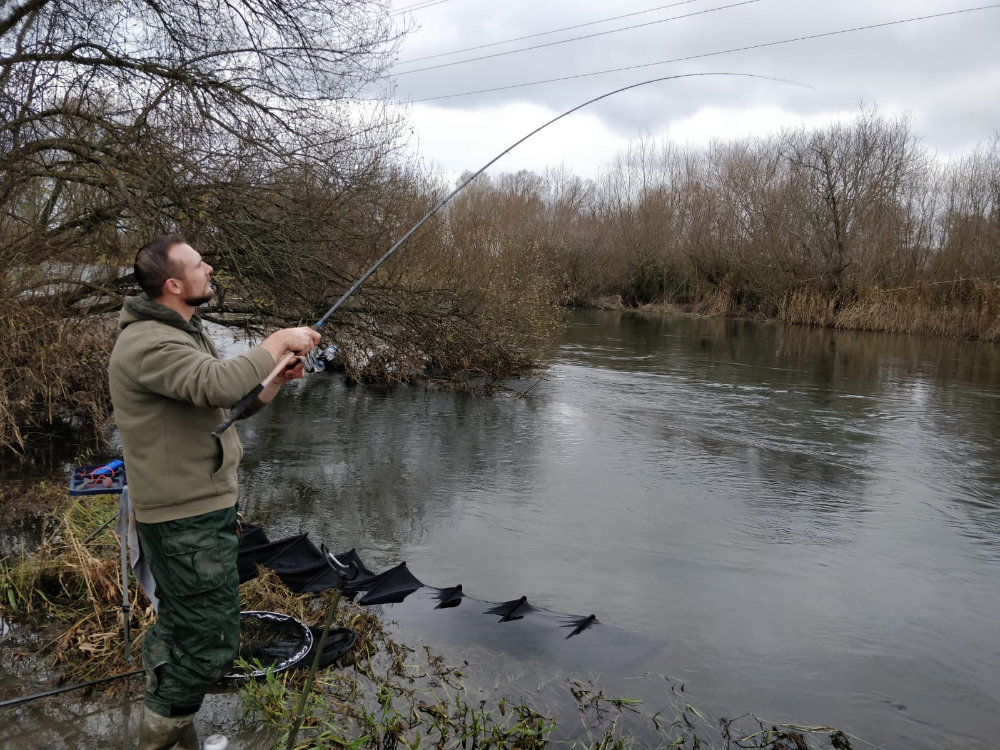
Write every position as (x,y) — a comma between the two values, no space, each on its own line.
(172,285)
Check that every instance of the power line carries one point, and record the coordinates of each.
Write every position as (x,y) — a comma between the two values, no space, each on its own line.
(577,38)
(417,6)
(545,33)
(713,54)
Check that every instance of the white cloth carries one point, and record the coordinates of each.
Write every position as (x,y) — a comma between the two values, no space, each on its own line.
(127,533)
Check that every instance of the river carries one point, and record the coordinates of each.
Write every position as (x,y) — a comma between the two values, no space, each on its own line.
(807,519)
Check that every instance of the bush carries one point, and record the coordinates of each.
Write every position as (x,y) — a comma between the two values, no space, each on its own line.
(53,377)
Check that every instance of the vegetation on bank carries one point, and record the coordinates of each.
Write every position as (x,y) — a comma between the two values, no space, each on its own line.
(381,694)
(853,225)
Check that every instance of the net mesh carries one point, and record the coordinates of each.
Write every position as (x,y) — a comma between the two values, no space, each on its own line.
(270,641)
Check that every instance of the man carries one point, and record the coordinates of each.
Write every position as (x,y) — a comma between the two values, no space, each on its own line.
(169,390)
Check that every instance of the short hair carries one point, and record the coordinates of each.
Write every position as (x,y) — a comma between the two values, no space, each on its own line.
(153,265)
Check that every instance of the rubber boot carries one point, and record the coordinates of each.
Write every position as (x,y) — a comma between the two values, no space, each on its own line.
(167,733)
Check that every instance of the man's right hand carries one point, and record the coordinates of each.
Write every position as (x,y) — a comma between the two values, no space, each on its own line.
(299,340)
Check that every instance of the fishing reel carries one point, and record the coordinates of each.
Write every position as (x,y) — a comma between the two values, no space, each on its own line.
(319,357)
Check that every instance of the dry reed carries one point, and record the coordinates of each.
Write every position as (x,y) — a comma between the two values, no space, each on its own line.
(49,383)
(923,310)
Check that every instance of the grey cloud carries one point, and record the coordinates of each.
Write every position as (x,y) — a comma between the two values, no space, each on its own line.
(943,70)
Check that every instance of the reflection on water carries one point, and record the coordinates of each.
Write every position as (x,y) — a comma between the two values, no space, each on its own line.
(808,519)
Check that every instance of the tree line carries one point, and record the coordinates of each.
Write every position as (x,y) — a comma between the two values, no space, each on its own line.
(853,225)
(239,125)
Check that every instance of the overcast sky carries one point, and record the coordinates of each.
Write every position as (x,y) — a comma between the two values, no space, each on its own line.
(943,71)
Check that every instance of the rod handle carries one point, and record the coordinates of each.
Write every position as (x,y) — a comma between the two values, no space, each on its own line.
(244,403)
(237,411)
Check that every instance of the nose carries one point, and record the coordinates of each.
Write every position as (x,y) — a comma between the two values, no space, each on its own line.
(209,270)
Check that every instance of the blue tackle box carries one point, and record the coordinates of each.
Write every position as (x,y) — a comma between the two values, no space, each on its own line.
(98,479)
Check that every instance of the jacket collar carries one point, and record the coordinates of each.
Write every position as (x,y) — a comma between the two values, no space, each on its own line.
(143,308)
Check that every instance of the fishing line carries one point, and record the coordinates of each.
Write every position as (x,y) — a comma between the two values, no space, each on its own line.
(244,403)
(708,54)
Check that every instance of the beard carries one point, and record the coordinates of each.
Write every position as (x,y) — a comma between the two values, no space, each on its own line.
(201,299)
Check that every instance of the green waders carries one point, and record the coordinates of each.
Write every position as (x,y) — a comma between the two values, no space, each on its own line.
(196,635)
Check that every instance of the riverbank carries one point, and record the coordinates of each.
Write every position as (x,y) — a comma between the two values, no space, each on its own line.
(970,312)
(63,603)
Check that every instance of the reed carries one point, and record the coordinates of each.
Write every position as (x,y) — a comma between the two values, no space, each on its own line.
(48,388)
(69,589)
(971,312)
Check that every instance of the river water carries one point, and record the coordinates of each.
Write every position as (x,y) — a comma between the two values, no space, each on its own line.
(808,521)
(799,523)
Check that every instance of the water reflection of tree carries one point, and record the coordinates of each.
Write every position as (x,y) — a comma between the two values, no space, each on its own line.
(378,464)
(804,412)
(944,390)
(795,420)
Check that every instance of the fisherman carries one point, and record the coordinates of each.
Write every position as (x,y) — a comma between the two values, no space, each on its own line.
(169,390)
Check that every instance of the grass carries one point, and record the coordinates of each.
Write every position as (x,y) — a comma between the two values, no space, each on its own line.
(972,313)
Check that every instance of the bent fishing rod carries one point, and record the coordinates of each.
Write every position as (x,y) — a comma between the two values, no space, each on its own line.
(244,403)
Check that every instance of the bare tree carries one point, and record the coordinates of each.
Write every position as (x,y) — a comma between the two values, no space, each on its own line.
(850,181)
(123,119)
(969,223)
(113,113)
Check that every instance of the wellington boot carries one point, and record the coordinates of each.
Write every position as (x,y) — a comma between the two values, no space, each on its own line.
(165,733)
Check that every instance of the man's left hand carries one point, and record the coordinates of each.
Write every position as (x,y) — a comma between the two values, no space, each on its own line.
(293,371)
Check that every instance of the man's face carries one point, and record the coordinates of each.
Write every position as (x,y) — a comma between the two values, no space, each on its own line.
(193,273)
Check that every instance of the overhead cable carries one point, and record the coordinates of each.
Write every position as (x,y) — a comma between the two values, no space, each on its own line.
(713,54)
(416,6)
(578,38)
(545,33)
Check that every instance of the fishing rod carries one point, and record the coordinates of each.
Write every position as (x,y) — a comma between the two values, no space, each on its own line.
(244,403)
(28,698)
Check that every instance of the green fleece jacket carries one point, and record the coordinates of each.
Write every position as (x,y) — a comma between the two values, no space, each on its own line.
(170,390)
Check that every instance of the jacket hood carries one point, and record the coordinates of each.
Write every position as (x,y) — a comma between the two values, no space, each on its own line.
(143,308)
